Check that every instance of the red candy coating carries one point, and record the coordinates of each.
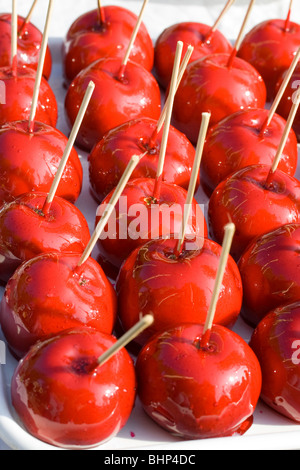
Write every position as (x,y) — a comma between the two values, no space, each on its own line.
(195,392)
(47,294)
(110,157)
(89,40)
(75,405)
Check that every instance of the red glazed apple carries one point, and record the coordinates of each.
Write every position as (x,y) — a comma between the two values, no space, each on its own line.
(196,34)
(139,217)
(253,205)
(29,45)
(92,37)
(286,102)
(238,141)
(211,85)
(25,231)
(195,392)
(29,161)
(48,294)
(111,155)
(18,90)
(270,272)
(77,404)
(276,344)
(270,47)
(176,289)
(116,99)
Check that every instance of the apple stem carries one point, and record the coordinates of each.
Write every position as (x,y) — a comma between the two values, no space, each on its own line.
(163,115)
(288,19)
(14,38)
(131,334)
(101,13)
(69,146)
(166,130)
(226,247)
(28,17)
(280,93)
(135,159)
(131,42)
(40,68)
(285,135)
(240,35)
(218,21)
(193,181)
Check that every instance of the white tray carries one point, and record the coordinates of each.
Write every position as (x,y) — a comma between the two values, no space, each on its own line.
(270,430)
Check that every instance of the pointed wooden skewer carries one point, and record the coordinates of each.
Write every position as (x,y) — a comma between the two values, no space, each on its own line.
(226,247)
(163,115)
(218,20)
(69,146)
(131,42)
(164,141)
(28,17)
(193,180)
(110,207)
(40,68)
(288,18)
(284,138)
(241,33)
(101,12)
(280,92)
(14,37)
(131,334)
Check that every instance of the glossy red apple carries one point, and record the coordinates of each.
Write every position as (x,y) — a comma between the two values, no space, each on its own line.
(25,231)
(110,157)
(17,93)
(195,392)
(270,47)
(49,294)
(29,45)
(210,85)
(139,218)
(153,280)
(195,34)
(238,141)
(90,38)
(253,205)
(287,100)
(116,99)
(276,344)
(77,404)
(29,161)
(270,272)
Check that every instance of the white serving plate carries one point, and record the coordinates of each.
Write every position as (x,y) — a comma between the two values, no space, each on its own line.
(270,430)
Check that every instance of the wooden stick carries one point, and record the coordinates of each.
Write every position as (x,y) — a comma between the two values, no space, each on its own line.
(241,33)
(40,68)
(14,36)
(219,19)
(144,323)
(101,12)
(131,42)
(164,141)
(69,146)
(28,17)
(110,207)
(193,180)
(183,66)
(227,242)
(281,91)
(284,138)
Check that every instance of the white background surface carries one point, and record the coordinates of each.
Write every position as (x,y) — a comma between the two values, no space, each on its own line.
(270,431)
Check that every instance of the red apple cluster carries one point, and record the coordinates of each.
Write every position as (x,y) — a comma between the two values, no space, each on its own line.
(59,315)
